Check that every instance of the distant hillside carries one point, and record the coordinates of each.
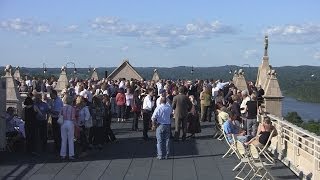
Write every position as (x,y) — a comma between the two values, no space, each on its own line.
(295,81)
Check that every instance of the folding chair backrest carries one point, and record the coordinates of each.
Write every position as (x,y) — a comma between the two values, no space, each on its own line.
(241,149)
(268,142)
(222,117)
(254,152)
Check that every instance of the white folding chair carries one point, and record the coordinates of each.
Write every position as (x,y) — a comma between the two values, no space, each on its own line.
(257,165)
(244,160)
(264,150)
(232,147)
(222,117)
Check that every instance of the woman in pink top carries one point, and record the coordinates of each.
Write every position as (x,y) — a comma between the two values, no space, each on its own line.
(67,127)
(121,104)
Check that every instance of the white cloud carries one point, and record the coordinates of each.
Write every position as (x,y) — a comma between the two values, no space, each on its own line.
(125,48)
(316,55)
(163,36)
(64,44)
(72,28)
(24,26)
(250,53)
(299,33)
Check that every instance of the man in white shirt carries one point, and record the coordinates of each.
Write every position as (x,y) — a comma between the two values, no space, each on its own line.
(221,84)
(147,106)
(122,84)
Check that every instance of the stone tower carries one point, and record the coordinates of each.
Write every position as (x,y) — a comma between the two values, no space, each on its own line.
(13,98)
(240,81)
(155,76)
(16,74)
(63,80)
(264,68)
(2,112)
(94,75)
(273,96)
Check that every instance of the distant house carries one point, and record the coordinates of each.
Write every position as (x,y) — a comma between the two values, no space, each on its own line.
(125,70)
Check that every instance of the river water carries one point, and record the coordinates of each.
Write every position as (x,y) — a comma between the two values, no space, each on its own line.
(306,110)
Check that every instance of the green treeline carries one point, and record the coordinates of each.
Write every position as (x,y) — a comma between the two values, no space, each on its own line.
(312,125)
(299,82)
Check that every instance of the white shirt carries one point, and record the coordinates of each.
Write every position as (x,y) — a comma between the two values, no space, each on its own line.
(28,82)
(129,99)
(159,87)
(147,103)
(122,85)
(221,85)
(243,105)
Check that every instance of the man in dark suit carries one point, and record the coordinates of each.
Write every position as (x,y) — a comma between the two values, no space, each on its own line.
(181,106)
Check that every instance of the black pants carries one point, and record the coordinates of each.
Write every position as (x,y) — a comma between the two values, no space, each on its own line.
(42,132)
(128,112)
(135,120)
(91,135)
(56,132)
(30,130)
(108,133)
(121,111)
(83,139)
(146,122)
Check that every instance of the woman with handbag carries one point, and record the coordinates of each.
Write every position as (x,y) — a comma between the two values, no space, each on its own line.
(136,110)
(67,128)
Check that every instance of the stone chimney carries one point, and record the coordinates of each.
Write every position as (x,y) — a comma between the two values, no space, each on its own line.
(240,81)
(13,98)
(16,74)
(273,96)
(235,77)
(155,76)
(264,68)
(94,75)
(62,81)
(2,112)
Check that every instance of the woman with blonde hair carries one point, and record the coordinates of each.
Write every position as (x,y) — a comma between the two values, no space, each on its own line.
(264,131)
(67,128)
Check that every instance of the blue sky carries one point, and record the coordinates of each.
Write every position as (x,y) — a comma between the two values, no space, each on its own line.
(162,33)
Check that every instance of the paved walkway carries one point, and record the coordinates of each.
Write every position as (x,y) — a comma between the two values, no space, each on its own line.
(133,159)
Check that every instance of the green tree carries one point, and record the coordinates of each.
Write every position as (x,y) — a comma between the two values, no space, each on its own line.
(294,118)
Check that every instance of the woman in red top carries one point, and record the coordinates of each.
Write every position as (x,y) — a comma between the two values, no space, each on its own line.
(121,104)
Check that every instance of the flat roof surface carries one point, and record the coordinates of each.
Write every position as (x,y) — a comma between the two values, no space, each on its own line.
(132,158)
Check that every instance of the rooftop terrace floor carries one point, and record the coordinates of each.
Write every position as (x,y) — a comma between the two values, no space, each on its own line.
(131,158)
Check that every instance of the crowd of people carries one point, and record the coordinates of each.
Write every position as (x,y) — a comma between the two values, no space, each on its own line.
(85,108)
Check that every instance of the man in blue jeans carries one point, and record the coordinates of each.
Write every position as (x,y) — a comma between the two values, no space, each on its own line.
(161,118)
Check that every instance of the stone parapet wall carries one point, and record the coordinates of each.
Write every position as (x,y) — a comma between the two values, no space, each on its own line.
(297,148)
